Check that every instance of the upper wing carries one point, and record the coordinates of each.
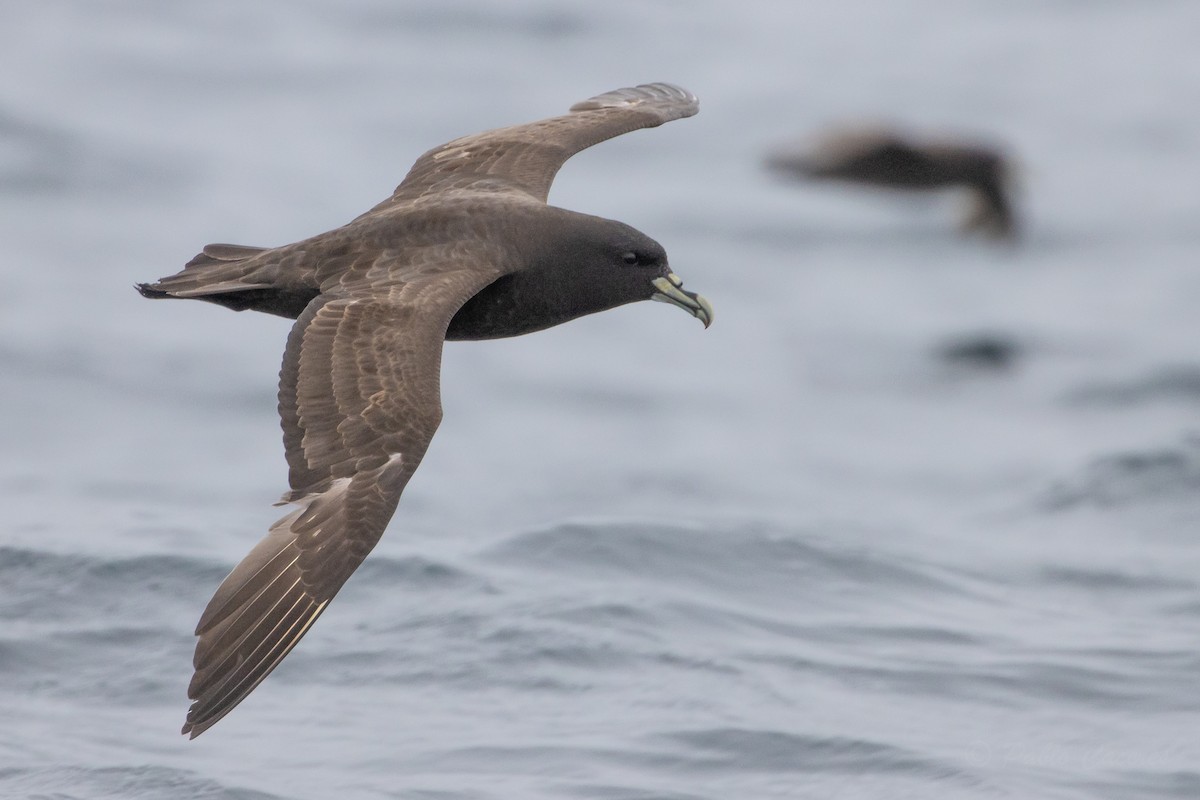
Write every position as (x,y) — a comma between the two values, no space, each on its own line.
(359,400)
(525,158)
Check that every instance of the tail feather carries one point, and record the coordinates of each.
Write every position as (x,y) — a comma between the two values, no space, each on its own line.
(217,269)
(223,253)
(231,252)
(185,286)
(230,275)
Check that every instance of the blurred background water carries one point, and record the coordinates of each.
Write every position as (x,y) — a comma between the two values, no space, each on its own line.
(801,554)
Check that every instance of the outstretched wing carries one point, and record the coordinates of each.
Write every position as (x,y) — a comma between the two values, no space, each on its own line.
(359,401)
(525,158)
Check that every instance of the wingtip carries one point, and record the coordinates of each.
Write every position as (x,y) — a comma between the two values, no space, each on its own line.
(680,101)
(193,727)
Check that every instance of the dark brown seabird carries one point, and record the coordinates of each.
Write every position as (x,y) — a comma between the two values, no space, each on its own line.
(885,158)
(465,248)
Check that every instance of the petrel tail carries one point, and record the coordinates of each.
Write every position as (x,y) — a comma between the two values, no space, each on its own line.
(233,276)
(218,269)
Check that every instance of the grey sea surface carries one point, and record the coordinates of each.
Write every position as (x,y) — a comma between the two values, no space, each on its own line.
(803,554)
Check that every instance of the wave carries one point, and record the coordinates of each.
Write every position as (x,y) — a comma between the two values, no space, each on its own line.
(1130,477)
(75,589)
(85,626)
(740,559)
(128,783)
(415,573)
(721,754)
(1178,382)
(740,750)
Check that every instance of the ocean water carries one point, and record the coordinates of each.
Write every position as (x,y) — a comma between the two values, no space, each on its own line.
(799,555)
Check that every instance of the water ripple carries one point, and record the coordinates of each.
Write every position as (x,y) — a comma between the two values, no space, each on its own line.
(128,783)
(745,559)
(80,590)
(1136,476)
(738,749)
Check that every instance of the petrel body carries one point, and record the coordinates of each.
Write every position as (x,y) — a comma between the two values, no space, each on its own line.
(465,248)
(889,159)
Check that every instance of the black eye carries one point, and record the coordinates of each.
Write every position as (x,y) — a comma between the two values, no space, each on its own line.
(630,258)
